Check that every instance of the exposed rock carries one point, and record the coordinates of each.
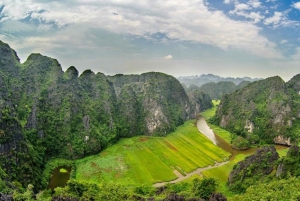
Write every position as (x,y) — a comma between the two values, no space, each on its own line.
(280,139)
(217,197)
(249,126)
(289,166)
(279,169)
(86,123)
(4,197)
(72,73)
(266,108)
(262,162)
(174,197)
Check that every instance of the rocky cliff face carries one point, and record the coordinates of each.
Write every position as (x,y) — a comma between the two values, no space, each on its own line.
(253,167)
(289,165)
(81,114)
(267,108)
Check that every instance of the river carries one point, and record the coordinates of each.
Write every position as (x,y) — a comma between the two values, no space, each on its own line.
(209,133)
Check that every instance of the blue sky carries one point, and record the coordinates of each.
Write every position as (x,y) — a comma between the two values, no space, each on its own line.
(256,38)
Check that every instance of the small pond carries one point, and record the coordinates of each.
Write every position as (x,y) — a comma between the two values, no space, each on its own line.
(60,177)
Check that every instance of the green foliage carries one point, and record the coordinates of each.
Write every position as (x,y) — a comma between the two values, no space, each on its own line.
(217,90)
(28,195)
(268,106)
(284,189)
(204,188)
(62,170)
(91,191)
(291,162)
(145,190)
(136,160)
(240,143)
(54,163)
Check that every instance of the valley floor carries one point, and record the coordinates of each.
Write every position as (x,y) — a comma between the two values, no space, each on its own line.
(155,161)
(149,160)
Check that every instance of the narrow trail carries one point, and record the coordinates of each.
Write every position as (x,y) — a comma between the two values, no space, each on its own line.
(197,171)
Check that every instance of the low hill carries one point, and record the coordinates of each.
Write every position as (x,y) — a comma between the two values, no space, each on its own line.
(203,79)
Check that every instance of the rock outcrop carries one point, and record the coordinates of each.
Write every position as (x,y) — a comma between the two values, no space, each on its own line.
(267,108)
(282,140)
(261,163)
(47,112)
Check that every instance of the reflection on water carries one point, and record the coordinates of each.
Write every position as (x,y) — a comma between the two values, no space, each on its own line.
(208,132)
(204,128)
(59,179)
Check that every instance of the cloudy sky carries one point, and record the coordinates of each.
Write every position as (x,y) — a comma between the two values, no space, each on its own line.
(256,38)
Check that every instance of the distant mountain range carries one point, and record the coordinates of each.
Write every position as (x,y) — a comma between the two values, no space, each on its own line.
(203,79)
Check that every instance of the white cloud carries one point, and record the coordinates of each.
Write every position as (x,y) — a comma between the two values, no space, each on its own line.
(178,20)
(255,16)
(283,41)
(242,6)
(297,5)
(239,7)
(168,57)
(275,19)
(280,19)
(254,3)
(227,1)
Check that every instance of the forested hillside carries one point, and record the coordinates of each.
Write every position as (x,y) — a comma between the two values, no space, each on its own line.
(46,112)
(217,90)
(265,111)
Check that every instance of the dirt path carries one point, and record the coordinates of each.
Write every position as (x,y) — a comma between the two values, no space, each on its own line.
(197,171)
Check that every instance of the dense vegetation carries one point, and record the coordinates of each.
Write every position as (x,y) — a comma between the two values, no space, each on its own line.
(217,90)
(49,116)
(265,111)
(148,160)
(46,112)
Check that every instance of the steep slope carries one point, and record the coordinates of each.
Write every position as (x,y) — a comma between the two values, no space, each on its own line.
(18,158)
(252,169)
(294,83)
(155,100)
(267,108)
(217,90)
(199,99)
(46,112)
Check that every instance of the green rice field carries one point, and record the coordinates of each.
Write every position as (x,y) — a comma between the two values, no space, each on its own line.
(148,160)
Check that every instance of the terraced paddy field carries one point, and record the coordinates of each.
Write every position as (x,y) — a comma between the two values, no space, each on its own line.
(148,160)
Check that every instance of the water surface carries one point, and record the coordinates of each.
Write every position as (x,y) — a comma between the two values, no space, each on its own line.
(209,133)
(58,178)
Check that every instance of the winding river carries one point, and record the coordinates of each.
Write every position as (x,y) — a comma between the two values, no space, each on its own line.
(208,132)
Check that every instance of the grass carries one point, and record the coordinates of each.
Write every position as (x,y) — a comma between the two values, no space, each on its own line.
(221,173)
(282,152)
(211,112)
(148,160)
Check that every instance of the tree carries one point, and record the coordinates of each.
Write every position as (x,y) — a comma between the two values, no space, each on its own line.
(204,188)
